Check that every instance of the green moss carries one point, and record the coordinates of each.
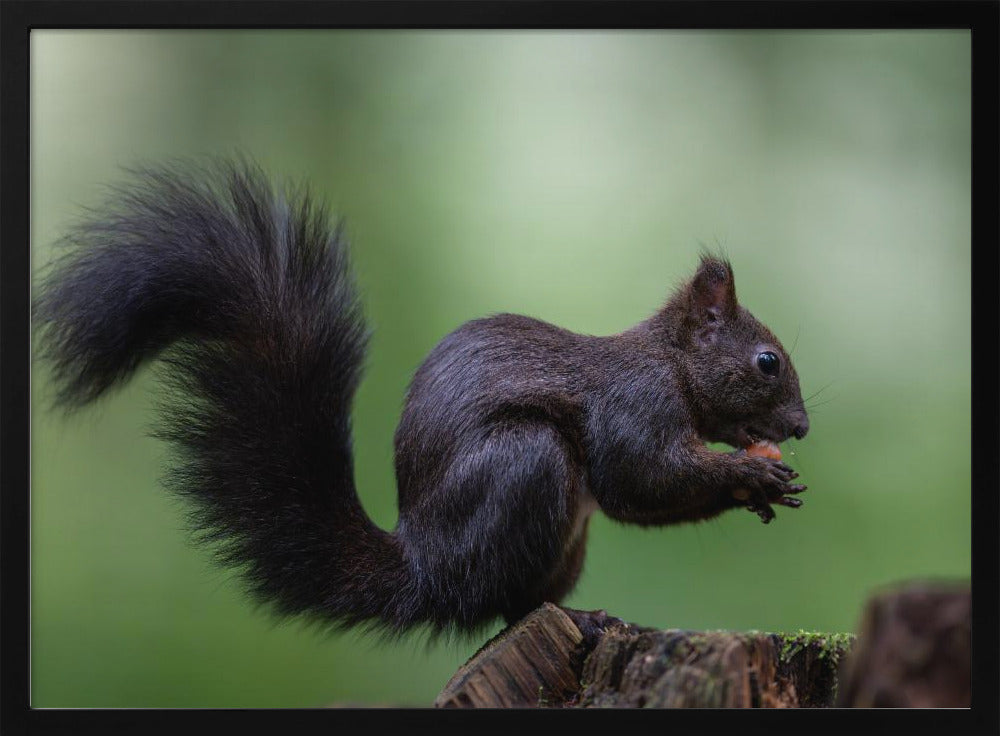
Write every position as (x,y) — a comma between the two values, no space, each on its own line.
(831,646)
(698,643)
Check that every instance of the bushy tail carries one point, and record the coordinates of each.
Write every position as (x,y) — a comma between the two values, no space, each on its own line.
(247,296)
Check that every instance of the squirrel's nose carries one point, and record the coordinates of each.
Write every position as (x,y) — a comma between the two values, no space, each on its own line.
(801,428)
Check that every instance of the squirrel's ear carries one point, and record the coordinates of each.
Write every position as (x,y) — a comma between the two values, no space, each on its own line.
(712,298)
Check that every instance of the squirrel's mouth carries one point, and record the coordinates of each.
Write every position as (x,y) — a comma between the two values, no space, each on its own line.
(755,443)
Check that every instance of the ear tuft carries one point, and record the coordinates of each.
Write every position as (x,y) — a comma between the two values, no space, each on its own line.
(713,293)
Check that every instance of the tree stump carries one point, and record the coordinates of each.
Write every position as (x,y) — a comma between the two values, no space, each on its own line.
(545,661)
(525,665)
(914,650)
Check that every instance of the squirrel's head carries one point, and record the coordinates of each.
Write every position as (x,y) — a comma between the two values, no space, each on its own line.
(741,384)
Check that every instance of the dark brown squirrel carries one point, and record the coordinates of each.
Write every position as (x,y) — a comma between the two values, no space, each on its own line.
(513,432)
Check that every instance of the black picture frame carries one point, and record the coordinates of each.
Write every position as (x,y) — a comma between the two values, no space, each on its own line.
(20,17)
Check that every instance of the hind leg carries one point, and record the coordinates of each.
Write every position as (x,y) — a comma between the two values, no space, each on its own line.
(502,517)
(591,624)
(560,581)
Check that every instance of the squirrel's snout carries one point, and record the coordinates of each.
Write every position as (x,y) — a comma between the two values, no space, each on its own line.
(801,428)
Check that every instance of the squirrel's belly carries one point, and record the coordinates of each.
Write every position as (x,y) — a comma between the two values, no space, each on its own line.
(586,505)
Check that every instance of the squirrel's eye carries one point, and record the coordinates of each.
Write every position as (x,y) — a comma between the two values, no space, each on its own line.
(768,363)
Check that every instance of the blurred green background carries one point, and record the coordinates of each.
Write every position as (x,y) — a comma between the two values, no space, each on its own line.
(568,176)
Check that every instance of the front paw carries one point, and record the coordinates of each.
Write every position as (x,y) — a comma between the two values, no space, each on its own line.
(768,482)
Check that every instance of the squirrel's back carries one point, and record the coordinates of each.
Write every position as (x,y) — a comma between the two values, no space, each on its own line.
(507,366)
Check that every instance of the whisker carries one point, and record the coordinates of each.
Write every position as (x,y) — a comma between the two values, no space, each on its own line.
(817,393)
(794,452)
(821,403)
(796,341)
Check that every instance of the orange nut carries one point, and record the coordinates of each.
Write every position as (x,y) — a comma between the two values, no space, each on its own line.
(764,449)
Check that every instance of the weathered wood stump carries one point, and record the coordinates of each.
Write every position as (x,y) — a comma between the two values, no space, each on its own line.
(914,650)
(545,661)
(525,665)
(715,669)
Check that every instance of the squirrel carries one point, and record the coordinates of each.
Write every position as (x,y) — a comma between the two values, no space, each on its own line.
(513,432)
